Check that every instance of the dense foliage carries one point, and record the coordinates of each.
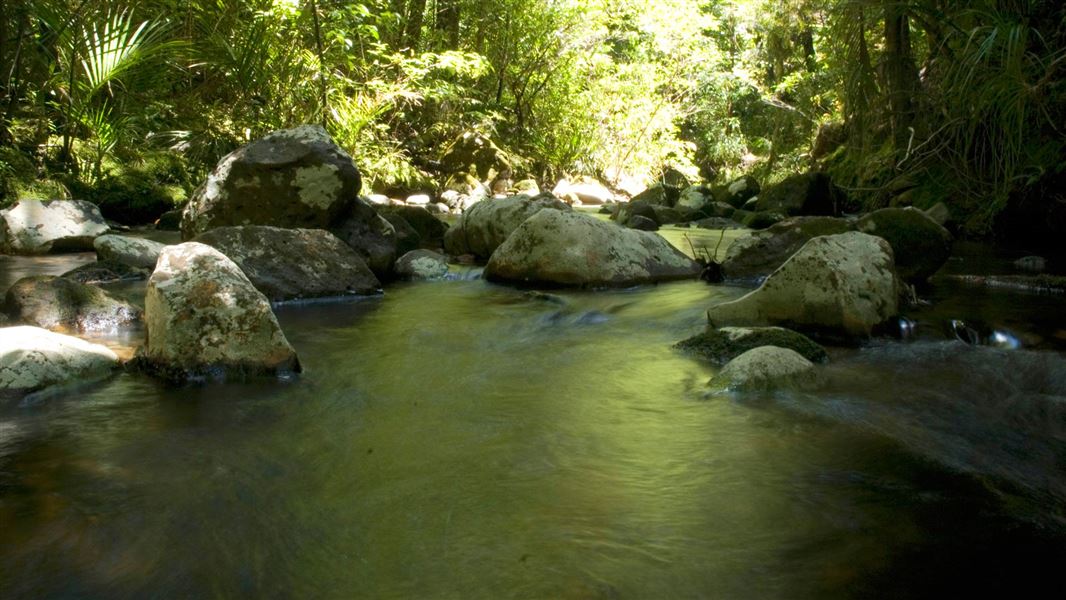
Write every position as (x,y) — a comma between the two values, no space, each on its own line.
(915,101)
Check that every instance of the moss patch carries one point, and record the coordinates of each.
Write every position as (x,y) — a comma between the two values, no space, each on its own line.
(724,344)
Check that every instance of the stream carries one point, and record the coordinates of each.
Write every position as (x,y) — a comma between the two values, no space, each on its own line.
(460,439)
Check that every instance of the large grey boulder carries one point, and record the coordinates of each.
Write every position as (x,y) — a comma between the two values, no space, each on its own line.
(370,235)
(130,251)
(737,192)
(726,343)
(762,252)
(290,178)
(920,245)
(291,264)
(569,248)
(429,228)
(488,223)
(421,264)
(204,318)
(837,285)
(40,227)
(762,368)
(60,303)
(695,198)
(32,359)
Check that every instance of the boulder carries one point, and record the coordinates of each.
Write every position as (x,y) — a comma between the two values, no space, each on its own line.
(718,209)
(106,271)
(407,238)
(805,194)
(294,264)
(840,285)
(642,223)
(488,223)
(170,220)
(370,235)
(764,251)
(695,198)
(636,208)
(718,223)
(762,368)
(940,213)
(430,229)
(205,318)
(658,194)
(527,186)
(585,190)
(421,264)
(475,153)
(60,303)
(726,343)
(1033,264)
(920,245)
(568,248)
(740,190)
(32,359)
(290,178)
(664,215)
(418,200)
(40,227)
(759,220)
(134,252)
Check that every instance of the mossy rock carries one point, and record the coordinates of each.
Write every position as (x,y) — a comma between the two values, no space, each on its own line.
(920,244)
(761,220)
(726,343)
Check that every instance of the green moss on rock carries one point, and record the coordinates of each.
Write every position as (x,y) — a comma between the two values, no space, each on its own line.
(724,344)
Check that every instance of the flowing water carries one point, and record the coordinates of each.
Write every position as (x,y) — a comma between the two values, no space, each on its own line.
(460,439)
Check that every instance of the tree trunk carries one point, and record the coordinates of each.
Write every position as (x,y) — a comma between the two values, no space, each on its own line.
(448,13)
(412,36)
(901,76)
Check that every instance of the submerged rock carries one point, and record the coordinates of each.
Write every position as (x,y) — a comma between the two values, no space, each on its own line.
(837,285)
(32,359)
(920,245)
(764,251)
(567,248)
(60,303)
(131,251)
(290,178)
(105,271)
(292,264)
(488,223)
(1033,264)
(40,227)
(422,264)
(724,344)
(204,318)
(762,368)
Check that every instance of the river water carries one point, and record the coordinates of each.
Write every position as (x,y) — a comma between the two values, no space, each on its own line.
(460,439)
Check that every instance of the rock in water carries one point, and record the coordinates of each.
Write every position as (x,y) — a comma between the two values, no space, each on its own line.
(36,227)
(60,303)
(806,194)
(370,235)
(920,245)
(422,264)
(488,223)
(430,229)
(724,344)
(291,264)
(32,359)
(129,251)
(290,178)
(764,251)
(205,318)
(762,368)
(837,285)
(105,271)
(568,248)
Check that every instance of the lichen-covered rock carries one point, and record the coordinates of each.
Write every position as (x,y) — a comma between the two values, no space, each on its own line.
(290,178)
(421,264)
(585,191)
(293,264)
(40,227)
(664,215)
(370,235)
(407,239)
(805,194)
(740,190)
(106,271)
(920,245)
(170,220)
(60,303)
(695,198)
(758,220)
(658,194)
(205,318)
(762,368)
(764,251)
(488,223)
(32,359)
(131,251)
(636,208)
(840,285)
(724,344)
(568,248)
(475,153)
